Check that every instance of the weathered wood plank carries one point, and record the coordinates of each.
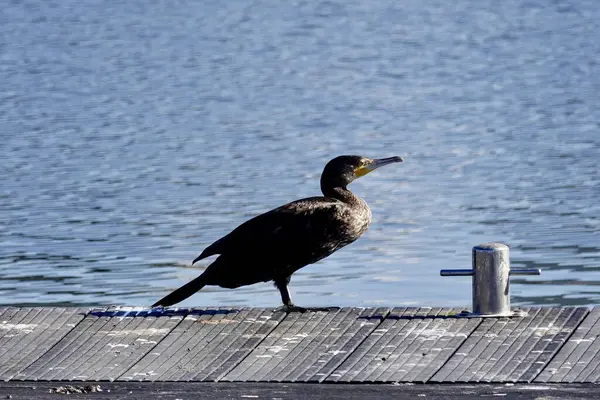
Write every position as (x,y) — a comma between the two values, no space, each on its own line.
(299,351)
(207,342)
(201,334)
(394,366)
(14,326)
(437,349)
(591,361)
(163,358)
(532,348)
(258,357)
(277,346)
(78,368)
(552,341)
(57,354)
(394,342)
(82,355)
(574,361)
(510,349)
(55,324)
(242,346)
(144,368)
(103,337)
(315,342)
(591,375)
(334,344)
(220,339)
(410,345)
(483,348)
(121,349)
(369,350)
(340,345)
(332,356)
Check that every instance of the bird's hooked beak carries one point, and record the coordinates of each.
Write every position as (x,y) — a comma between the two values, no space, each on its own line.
(365,169)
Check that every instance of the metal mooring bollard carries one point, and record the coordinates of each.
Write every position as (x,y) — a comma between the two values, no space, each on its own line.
(491,271)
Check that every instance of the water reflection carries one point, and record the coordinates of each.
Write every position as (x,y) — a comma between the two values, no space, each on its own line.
(134,139)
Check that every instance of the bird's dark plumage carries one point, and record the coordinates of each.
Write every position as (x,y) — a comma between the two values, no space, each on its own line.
(273,245)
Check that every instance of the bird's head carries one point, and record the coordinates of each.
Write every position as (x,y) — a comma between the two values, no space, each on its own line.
(342,170)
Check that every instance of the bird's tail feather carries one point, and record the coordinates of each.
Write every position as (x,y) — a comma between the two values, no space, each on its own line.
(182,293)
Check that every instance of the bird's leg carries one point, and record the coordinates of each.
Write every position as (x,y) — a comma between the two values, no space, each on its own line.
(288,306)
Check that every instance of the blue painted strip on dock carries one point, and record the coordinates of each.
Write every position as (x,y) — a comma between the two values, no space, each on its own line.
(352,345)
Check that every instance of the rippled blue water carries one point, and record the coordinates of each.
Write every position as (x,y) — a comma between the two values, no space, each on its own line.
(133,134)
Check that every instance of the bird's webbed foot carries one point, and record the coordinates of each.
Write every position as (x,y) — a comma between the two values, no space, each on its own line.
(289,308)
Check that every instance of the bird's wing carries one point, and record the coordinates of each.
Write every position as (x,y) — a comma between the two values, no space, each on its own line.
(297,231)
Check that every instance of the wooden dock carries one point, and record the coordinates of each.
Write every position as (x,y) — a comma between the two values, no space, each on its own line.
(349,345)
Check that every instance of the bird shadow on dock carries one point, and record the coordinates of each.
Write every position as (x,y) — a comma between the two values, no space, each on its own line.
(162,312)
(453,315)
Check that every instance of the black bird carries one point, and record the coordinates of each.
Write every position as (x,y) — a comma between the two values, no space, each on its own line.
(274,245)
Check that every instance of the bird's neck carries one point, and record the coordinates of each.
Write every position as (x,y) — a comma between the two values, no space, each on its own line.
(341,193)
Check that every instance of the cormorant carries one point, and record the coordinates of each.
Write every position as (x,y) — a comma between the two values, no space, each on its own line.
(274,245)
